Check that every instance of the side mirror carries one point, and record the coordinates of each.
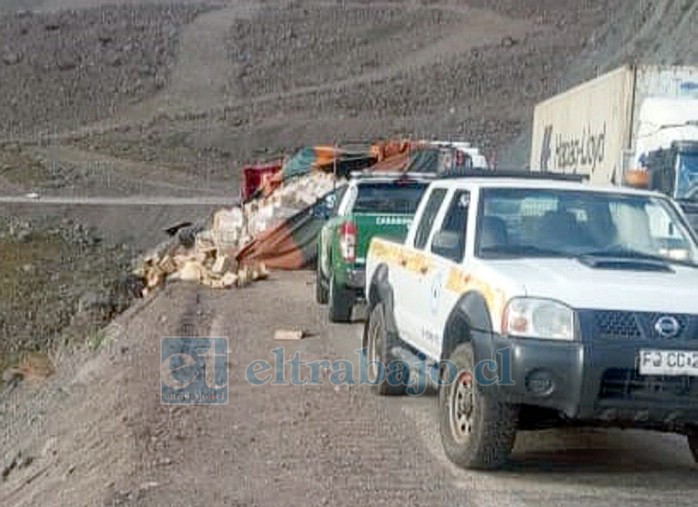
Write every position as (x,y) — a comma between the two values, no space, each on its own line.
(446,244)
(330,201)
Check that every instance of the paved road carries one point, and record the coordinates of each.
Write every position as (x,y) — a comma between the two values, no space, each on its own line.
(121,201)
(137,221)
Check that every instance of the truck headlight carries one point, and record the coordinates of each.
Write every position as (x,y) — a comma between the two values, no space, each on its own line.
(539,318)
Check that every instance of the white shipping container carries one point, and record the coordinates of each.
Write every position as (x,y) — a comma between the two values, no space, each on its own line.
(592,129)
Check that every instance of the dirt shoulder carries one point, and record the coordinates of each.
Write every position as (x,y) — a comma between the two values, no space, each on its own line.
(103,437)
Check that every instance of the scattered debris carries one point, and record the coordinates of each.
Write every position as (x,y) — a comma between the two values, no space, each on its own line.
(175,228)
(207,256)
(289,334)
(202,264)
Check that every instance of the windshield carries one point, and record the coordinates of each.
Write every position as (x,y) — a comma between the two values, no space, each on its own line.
(561,223)
(389,197)
(687,186)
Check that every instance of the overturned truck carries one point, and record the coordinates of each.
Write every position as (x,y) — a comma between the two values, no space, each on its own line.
(276,223)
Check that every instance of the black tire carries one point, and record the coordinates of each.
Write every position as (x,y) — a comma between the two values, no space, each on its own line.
(321,293)
(379,343)
(477,432)
(341,302)
(693,443)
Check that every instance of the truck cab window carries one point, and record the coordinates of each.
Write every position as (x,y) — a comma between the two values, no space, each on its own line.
(428,217)
(687,185)
(449,241)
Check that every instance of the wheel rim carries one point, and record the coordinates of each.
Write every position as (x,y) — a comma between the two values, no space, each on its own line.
(461,407)
(375,339)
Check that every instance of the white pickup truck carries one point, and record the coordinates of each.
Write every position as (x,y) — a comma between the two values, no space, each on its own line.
(535,302)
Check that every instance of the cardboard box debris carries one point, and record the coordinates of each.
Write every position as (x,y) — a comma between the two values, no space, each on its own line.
(219,265)
(167,265)
(244,277)
(289,334)
(192,271)
(229,280)
(154,277)
(210,258)
(260,272)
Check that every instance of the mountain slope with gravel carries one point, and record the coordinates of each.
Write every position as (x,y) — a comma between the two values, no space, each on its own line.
(63,69)
(150,98)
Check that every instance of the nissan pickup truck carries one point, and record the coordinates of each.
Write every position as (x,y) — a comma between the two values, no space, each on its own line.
(531,303)
(369,204)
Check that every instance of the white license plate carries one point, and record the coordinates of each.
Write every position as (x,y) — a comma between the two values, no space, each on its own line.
(669,362)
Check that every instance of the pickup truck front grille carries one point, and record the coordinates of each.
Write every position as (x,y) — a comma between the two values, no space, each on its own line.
(620,325)
(611,324)
(627,384)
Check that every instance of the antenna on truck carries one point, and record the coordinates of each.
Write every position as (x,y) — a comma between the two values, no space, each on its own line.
(334,165)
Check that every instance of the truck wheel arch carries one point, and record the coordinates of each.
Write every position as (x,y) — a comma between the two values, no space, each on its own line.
(469,319)
(380,291)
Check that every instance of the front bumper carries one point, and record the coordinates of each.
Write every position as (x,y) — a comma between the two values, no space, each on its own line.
(596,381)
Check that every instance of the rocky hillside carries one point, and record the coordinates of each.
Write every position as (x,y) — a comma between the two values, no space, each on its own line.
(643,31)
(196,90)
(63,69)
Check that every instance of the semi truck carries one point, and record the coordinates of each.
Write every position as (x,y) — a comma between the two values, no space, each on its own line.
(636,125)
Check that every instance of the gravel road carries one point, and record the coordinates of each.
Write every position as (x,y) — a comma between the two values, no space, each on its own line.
(290,444)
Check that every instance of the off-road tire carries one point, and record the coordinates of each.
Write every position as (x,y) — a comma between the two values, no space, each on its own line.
(340,302)
(693,443)
(321,292)
(379,343)
(486,441)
